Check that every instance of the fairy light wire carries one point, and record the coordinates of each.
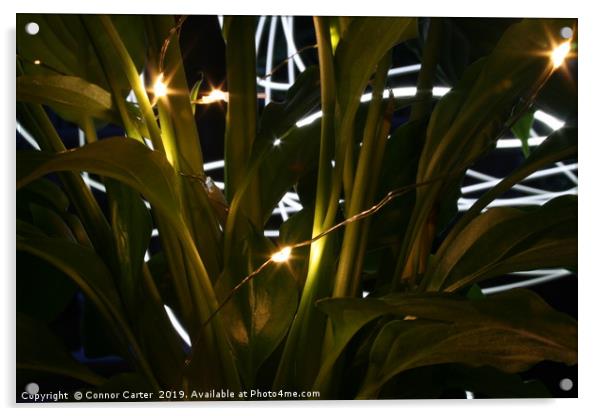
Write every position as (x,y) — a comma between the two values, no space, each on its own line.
(391,195)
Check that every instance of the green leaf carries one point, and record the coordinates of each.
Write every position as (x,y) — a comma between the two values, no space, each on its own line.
(242,105)
(44,192)
(348,316)
(131,224)
(279,117)
(522,130)
(73,98)
(259,315)
(466,125)
(508,240)
(562,144)
(123,159)
(81,264)
(38,349)
(510,331)
(362,46)
(50,222)
(63,46)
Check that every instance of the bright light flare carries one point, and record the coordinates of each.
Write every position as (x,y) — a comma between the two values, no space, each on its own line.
(215,96)
(159,88)
(282,255)
(559,53)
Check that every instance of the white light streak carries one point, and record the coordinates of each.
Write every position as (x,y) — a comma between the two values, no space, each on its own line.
(282,209)
(269,57)
(549,120)
(271,233)
(258,33)
(28,137)
(213,165)
(290,41)
(404,70)
(178,326)
(526,283)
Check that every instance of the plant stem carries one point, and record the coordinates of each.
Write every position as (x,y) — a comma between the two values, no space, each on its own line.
(241,126)
(358,201)
(302,347)
(424,87)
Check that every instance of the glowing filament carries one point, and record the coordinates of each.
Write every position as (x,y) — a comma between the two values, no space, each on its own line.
(160,89)
(560,53)
(281,255)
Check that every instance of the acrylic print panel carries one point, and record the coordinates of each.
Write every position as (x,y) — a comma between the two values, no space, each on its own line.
(270,208)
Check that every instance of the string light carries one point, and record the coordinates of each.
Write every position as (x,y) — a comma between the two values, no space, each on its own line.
(37,62)
(559,53)
(215,96)
(282,255)
(159,88)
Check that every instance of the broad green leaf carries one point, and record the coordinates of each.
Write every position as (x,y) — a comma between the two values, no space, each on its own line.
(279,117)
(132,225)
(50,222)
(38,349)
(259,315)
(510,331)
(464,128)
(43,192)
(400,161)
(73,98)
(82,265)
(361,47)
(63,46)
(503,234)
(348,316)
(515,68)
(125,160)
(241,125)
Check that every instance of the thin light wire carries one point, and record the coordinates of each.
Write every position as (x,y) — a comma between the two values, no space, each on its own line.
(363,214)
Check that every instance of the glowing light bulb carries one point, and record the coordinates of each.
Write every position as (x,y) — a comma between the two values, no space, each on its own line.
(559,53)
(281,255)
(160,89)
(277,142)
(217,95)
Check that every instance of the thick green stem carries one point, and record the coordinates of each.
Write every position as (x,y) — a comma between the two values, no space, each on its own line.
(424,88)
(304,341)
(344,280)
(241,124)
